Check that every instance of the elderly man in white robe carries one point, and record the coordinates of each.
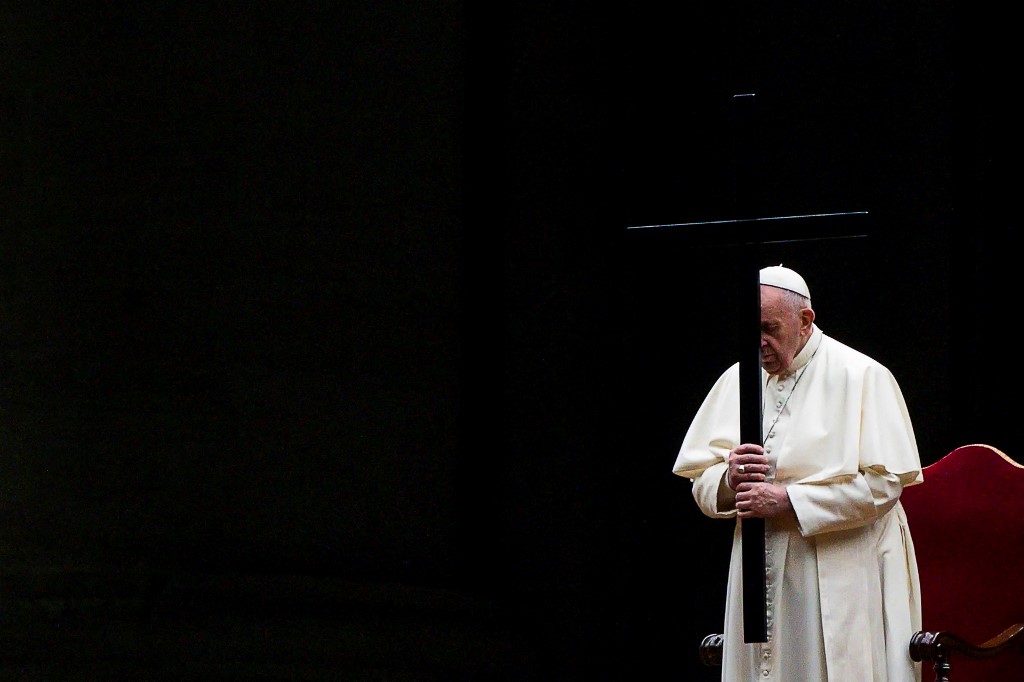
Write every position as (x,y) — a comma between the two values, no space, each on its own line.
(842,581)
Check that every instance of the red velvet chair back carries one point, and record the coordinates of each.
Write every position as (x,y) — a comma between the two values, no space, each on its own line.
(967,522)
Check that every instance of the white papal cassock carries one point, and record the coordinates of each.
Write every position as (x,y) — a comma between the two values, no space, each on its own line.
(843,591)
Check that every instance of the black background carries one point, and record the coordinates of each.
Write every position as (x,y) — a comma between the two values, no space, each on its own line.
(327,353)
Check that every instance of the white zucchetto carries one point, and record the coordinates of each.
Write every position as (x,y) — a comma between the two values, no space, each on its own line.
(784,278)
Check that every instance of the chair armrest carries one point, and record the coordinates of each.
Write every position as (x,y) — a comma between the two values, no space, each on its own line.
(711,651)
(931,646)
(939,646)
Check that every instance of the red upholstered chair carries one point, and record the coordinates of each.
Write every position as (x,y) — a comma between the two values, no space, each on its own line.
(967,522)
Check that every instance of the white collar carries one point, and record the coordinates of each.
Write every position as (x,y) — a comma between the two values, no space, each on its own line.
(808,351)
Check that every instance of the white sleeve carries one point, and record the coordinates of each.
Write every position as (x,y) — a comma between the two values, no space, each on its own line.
(714,497)
(827,507)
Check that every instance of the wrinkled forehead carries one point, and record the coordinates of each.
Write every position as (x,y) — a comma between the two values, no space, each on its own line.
(772,296)
(776,305)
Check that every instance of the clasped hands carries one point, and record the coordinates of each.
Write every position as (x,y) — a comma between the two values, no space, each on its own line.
(748,474)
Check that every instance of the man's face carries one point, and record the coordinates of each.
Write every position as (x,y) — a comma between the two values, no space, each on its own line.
(783,330)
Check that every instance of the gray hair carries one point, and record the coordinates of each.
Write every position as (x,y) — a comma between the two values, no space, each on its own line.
(795,301)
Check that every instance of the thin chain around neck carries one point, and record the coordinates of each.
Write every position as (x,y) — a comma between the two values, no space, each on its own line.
(799,376)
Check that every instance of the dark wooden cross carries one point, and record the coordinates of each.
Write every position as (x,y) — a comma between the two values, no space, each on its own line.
(748,231)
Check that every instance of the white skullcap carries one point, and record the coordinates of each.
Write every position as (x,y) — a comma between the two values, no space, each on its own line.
(784,278)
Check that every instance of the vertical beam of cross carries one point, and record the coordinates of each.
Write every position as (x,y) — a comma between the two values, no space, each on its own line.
(749,230)
(746,151)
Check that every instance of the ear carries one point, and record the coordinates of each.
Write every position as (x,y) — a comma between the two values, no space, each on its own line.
(806,318)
